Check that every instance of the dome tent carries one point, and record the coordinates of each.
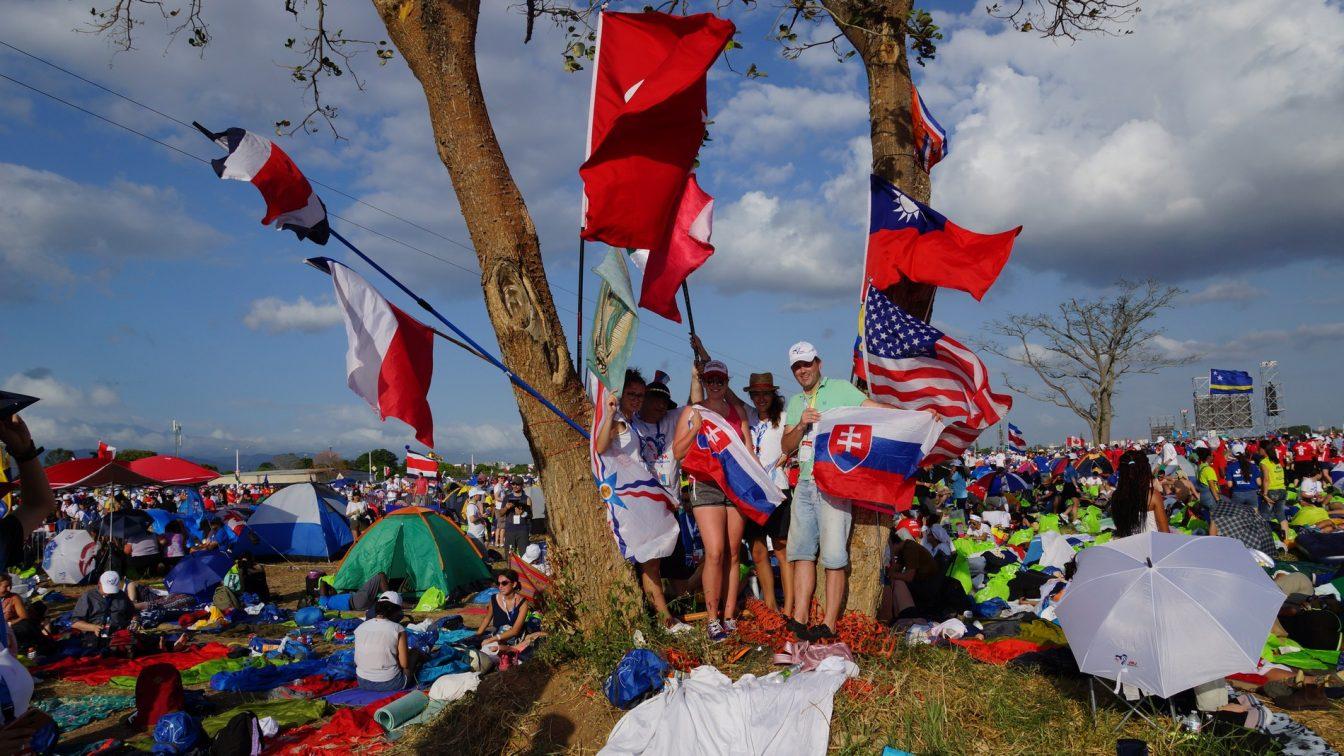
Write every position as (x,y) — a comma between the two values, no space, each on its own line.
(415,544)
(302,520)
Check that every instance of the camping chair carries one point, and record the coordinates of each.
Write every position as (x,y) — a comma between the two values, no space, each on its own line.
(532,582)
(1132,708)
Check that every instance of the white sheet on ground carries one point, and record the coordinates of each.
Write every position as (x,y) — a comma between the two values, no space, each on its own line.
(707,713)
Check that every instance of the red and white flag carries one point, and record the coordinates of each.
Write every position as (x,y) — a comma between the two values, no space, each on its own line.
(390,358)
(686,248)
(106,452)
(646,122)
(291,202)
(419,464)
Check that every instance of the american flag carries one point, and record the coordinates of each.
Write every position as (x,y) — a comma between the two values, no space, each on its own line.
(913,365)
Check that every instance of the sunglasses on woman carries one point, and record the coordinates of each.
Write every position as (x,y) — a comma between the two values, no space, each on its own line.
(504,583)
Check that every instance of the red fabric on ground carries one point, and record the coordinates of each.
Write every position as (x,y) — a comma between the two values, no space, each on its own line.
(317,686)
(342,733)
(99,671)
(999,651)
(1249,677)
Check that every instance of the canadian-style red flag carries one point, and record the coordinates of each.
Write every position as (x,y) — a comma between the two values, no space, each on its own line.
(105,451)
(390,358)
(686,248)
(646,121)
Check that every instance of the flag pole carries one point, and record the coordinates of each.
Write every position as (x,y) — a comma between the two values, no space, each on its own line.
(578,329)
(519,382)
(690,317)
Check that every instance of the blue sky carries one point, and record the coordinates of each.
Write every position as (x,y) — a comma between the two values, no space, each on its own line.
(1202,150)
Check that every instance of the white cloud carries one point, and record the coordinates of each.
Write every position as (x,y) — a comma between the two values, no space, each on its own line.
(1207,137)
(56,394)
(1226,290)
(56,230)
(770,118)
(275,315)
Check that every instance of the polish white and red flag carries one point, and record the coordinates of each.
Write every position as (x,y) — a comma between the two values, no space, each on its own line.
(420,464)
(291,202)
(390,358)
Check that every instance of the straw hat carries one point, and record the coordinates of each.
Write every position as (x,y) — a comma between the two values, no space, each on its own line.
(761,382)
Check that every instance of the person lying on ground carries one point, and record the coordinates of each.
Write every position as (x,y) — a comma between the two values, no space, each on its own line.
(384,661)
(359,601)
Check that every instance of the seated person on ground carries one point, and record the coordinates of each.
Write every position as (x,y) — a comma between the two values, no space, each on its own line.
(384,661)
(508,612)
(1311,490)
(107,608)
(32,634)
(917,586)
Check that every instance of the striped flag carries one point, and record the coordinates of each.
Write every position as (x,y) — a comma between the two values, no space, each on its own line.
(641,513)
(915,366)
(291,202)
(720,457)
(1016,441)
(930,136)
(1074,441)
(420,464)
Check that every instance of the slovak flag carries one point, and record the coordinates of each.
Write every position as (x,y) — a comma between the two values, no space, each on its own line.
(871,454)
(291,202)
(641,513)
(718,456)
(390,358)
(930,137)
(1016,441)
(420,464)
(908,239)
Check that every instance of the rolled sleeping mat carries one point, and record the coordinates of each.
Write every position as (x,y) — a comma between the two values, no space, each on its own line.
(401,711)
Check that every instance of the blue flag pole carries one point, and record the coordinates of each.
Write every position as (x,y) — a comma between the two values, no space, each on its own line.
(487,356)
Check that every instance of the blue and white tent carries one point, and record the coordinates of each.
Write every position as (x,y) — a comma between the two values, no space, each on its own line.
(306,520)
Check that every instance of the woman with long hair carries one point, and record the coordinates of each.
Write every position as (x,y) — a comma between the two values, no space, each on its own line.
(765,423)
(1137,505)
(720,524)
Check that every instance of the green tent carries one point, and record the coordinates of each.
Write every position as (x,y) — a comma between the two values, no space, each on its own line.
(417,544)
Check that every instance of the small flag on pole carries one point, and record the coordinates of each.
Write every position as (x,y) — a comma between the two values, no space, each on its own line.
(615,323)
(1016,441)
(930,137)
(420,464)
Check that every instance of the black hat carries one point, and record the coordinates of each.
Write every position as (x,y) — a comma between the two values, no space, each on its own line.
(658,388)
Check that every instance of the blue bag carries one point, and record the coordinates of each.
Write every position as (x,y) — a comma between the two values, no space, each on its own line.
(176,732)
(639,674)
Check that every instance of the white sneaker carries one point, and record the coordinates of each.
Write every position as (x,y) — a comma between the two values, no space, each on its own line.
(677,628)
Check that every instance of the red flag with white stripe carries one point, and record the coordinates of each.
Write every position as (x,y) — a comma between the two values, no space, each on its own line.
(291,202)
(419,464)
(687,247)
(390,358)
(646,121)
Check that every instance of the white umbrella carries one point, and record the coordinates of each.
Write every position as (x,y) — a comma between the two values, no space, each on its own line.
(1166,612)
(68,558)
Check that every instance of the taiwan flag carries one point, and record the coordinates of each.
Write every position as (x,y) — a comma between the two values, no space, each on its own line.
(718,456)
(871,454)
(910,240)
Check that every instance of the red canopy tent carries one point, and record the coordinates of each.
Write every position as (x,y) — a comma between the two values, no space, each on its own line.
(91,472)
(172,470)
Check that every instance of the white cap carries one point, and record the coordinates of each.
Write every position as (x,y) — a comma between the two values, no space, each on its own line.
(803,351)
(109,582)
(716,367)
(532,553)
(391,597)
(1161,439)
(476,492)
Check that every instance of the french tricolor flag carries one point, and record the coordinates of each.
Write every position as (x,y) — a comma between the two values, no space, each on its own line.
(291,202)
(390,358)
(871,454)
(718,456)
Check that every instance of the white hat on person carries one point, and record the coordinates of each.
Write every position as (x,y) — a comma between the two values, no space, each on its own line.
(803,351)
(391,597)
(109,582)
(532,553)
(716,367)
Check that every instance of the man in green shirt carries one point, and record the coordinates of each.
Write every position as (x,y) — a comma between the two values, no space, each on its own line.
(818,523)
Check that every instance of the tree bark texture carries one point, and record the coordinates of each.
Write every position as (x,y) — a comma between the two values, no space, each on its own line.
(876,29)
(437,38)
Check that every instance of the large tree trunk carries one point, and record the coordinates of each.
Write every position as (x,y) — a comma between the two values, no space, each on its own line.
(876,28)
(438,40)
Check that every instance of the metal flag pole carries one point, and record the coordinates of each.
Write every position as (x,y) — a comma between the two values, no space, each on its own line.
(578,328)
(427,307)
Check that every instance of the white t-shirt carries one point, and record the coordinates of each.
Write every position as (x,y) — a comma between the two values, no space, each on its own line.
(376,649)
(655,448)
(1311,487)
(353,508)
(1168,453)
(147,546)
(474,529)
(767,441)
